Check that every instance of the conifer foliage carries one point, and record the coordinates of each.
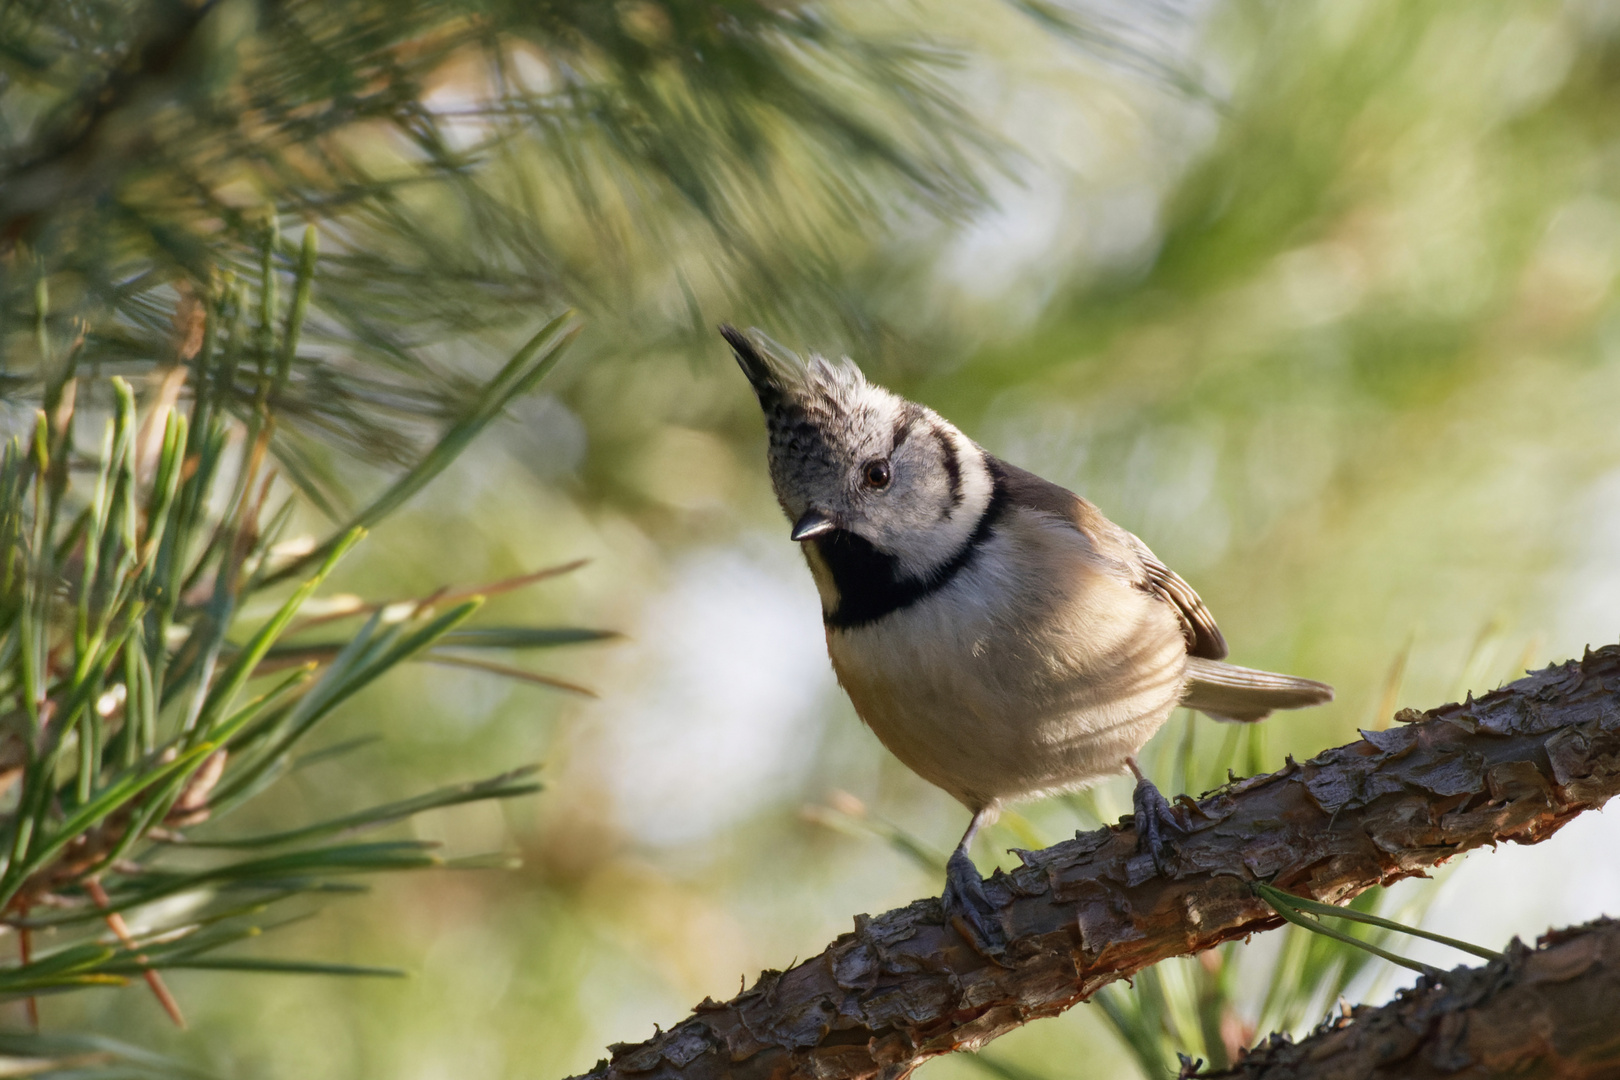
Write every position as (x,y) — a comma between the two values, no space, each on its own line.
(232,234)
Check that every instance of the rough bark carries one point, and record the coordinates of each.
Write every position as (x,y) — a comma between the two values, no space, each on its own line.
(1547,1012)
(1514,765)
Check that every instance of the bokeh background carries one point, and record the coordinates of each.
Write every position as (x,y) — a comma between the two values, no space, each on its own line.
(1317,298)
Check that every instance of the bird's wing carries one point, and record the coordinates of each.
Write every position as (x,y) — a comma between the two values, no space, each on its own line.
(1203,636)
(1024,488)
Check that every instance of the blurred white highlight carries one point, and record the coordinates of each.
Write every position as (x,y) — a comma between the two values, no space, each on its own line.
(734,672)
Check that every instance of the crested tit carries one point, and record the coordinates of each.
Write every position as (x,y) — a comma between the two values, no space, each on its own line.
(999,634)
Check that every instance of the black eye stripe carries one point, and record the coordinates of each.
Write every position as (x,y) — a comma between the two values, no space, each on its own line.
(953,464)
(902,427)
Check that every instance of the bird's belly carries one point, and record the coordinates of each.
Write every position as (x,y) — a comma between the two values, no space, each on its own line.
(993,712)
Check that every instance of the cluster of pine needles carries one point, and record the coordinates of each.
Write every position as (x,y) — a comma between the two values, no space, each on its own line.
(145,694)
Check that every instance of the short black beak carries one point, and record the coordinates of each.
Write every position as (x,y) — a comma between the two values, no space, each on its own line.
(811,524)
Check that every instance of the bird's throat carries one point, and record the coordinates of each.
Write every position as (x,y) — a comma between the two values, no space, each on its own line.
(868,584)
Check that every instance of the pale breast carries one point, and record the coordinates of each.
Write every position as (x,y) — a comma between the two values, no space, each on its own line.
(1013,681)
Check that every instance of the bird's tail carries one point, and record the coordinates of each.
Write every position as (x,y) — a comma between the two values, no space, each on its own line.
(1227,692)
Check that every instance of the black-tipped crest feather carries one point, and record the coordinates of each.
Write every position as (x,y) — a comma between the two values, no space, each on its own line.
(760,376)
(772,370)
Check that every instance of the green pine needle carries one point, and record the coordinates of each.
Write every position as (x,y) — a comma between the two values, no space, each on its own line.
(1300,912)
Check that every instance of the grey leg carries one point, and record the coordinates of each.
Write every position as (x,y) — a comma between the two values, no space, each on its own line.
(966,905)
(1154,815)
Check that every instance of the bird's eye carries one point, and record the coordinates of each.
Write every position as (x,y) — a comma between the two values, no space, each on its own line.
(876,474)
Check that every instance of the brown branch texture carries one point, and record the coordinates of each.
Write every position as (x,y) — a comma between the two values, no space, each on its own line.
(1547,1012)
(1514,765)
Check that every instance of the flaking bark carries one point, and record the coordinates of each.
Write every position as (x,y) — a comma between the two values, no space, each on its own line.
(1547,1012)
(1514,765)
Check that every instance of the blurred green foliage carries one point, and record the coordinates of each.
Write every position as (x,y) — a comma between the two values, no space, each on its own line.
(1317,298)
(144,701)
(470,162)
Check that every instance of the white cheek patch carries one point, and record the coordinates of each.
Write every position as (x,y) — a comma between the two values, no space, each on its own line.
(922,525)
(934,544)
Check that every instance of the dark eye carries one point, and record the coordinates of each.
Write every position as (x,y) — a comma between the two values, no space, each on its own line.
(876,474)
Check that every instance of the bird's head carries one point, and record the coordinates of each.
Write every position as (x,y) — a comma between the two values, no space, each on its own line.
(855,466)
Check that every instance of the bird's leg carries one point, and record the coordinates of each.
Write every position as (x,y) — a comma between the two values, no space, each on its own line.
(1153,815)
(966,905)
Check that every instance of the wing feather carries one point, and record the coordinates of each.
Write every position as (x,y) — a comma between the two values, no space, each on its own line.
(1025,489)
(1204,637)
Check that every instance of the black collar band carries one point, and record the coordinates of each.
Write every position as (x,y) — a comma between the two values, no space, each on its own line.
(869,582)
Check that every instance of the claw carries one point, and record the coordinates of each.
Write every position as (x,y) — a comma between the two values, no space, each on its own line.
(1154,816)
(968,908)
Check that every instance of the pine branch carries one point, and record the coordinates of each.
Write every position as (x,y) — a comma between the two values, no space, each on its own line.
(1516,764)
(1542,1012)
(465,162)
(63,161)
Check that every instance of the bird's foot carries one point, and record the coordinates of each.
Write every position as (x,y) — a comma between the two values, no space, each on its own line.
(1154,818)
(969,909)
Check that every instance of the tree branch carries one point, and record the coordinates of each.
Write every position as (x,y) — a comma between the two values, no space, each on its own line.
(1547,1012)
(1514,765)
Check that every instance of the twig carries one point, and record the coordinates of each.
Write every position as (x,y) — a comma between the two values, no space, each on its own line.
(120,929)
(507,671)
(444,595)
(1514,765)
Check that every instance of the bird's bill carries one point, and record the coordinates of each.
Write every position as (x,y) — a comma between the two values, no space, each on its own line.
(811,524)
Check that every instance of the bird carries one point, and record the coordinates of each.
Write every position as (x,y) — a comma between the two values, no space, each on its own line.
(996,632)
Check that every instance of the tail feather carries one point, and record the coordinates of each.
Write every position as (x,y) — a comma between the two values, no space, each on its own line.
(1227,692)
